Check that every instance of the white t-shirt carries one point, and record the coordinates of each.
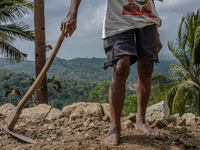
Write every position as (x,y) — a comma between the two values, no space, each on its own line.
(121,16)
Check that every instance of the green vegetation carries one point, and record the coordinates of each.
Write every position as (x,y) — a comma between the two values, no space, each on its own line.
(100,92)
(85,80)
(183,86)
(54,86)
(72,91)
(82,69)
(75,88)
(14,81)
(10,12)
(130,104)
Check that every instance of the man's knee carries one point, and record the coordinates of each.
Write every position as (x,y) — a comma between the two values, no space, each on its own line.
(146,68)
(121,70)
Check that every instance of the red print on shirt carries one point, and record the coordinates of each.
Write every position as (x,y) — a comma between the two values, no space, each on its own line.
(134,9)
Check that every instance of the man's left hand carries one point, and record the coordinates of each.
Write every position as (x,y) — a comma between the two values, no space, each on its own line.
(159,44)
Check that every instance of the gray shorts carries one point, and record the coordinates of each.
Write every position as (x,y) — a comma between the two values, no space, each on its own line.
(140,44)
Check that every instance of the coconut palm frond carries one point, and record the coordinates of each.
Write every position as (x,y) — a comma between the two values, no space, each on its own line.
(192,83)
(189,26)
(182,38)
(183,62)
(186,93)
(196,48)
(170,96)
(183,86)
(196,19)
(179,97)
(11,53)
(18,30)
(177,71)
(10,11)
(5,37)
(14,10)
(160,89)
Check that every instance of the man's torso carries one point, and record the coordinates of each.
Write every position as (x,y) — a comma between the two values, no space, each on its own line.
(120,17)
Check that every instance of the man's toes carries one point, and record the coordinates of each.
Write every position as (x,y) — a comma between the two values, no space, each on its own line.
(110,142)
(103,142)
(113,143)
(151,136)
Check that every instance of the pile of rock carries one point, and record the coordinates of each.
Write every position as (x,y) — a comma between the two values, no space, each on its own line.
(175,131)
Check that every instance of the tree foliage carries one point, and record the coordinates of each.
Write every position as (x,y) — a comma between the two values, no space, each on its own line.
(130,104)
(183,86)
(82,69)
(72,91)
(100,92)
(10,12)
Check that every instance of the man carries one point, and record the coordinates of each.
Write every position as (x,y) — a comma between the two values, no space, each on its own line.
(131,6)
(147,8)
(119,34)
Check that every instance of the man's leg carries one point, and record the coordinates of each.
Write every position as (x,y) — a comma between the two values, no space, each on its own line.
(145,70)
(121,69)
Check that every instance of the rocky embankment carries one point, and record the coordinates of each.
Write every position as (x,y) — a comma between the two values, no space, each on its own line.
(84,125)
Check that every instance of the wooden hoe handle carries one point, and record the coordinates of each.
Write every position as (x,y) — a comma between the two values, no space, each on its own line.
(12,120)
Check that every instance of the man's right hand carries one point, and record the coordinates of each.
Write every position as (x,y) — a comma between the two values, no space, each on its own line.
(68,25)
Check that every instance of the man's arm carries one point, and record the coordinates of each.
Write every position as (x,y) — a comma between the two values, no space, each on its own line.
(159,44)
(68,25)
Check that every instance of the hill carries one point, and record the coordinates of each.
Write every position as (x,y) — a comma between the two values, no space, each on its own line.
(82,69)
(72,91)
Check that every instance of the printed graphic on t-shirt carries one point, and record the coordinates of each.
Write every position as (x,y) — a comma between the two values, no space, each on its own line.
(138,8)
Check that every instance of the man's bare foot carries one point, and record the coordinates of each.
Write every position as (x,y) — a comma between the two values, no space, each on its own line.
(112,137)
(144,128)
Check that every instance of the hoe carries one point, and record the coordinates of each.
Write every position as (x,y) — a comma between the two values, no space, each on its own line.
(12,120)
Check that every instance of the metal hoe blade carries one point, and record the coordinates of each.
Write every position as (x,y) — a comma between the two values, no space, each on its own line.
(19,135)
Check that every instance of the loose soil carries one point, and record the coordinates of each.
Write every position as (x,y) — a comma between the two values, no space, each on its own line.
(63,134)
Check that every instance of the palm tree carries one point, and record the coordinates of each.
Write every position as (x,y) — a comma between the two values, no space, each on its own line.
(183,86)
(40,50)
(11,11)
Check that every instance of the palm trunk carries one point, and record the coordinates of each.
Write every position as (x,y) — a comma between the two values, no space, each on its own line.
(198,103)
(198,98)
(40,52)
(197,71)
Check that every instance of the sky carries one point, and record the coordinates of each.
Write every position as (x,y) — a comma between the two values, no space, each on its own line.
(86,42)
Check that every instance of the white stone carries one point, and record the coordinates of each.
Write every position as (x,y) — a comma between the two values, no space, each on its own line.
(127,124)
(87,122)
(174,118)
(106,109)
(82,109)
(157,112)
(190,118)
(161,123)
(7,109)
(38,112)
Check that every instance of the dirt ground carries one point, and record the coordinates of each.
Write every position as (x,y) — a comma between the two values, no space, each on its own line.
(63,134)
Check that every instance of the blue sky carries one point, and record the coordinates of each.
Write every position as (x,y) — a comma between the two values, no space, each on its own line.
(86,41)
